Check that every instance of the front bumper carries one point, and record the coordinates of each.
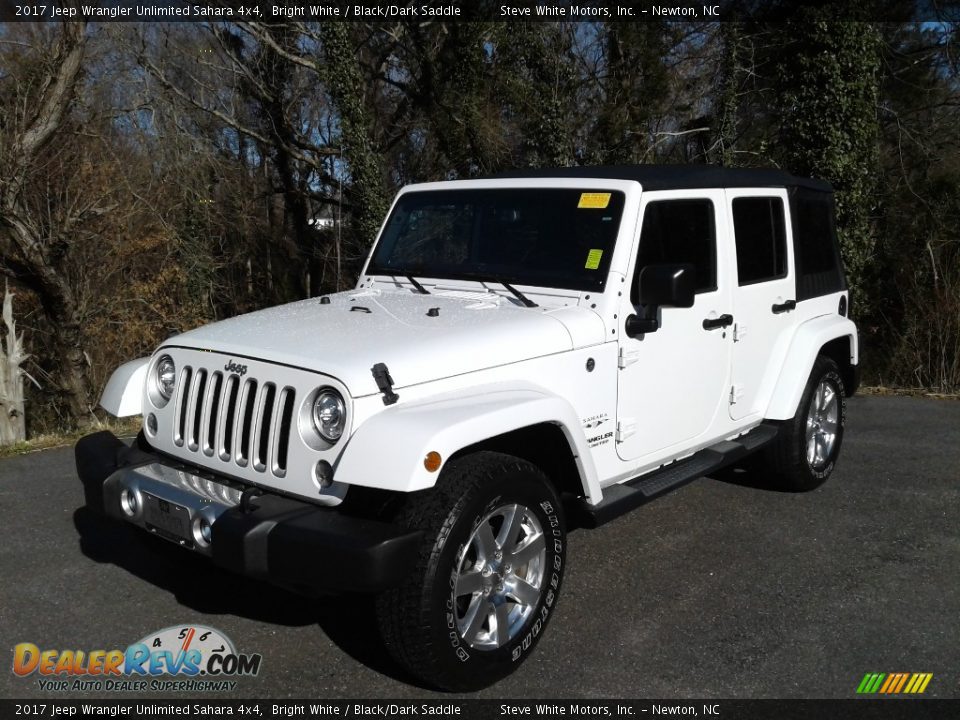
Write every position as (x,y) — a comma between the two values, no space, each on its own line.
(266,536)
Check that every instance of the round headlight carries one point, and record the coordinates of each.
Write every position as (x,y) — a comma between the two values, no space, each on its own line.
(166,376)
(329,414)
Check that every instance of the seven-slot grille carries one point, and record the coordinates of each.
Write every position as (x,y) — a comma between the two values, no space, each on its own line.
(233,419)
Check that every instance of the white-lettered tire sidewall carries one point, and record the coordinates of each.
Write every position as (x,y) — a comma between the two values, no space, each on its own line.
(471,668)
(832,376)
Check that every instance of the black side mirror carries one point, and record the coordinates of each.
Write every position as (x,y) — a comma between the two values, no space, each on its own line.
(637,325)
(668,285)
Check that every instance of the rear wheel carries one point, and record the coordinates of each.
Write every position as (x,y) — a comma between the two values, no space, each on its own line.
(807,448)
(488,577)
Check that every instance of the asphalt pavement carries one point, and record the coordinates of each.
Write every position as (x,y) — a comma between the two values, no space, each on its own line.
(719,590)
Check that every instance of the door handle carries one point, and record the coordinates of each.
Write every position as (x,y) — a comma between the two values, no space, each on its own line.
(720,322)
(784,307)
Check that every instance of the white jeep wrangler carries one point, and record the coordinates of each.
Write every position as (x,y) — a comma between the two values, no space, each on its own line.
(518,351)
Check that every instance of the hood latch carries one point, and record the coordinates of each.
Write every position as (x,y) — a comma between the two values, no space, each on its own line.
(381,375)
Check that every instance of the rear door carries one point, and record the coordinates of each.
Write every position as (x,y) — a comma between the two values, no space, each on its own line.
(764,295)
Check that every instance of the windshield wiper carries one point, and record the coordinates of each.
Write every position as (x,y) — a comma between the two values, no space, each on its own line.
(420,288)
(478,277)
(519,295)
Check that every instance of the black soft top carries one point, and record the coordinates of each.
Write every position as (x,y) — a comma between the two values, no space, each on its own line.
(676,177)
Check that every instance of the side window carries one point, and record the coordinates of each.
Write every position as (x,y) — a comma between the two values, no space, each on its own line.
(679,231)
(760,233)
(815,250)
(816,236)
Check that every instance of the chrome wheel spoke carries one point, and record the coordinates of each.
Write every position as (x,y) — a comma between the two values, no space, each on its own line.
(484,542)
(503,624)
(512,522)
(829,440)
(829,398)
(469,583)
(529,550)
(480,609)
(524,592)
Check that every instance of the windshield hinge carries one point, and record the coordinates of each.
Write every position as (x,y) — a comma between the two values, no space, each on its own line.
(625,428)
(736,393)
(628,357)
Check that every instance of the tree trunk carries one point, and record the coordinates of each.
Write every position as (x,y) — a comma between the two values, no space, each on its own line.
(13,427)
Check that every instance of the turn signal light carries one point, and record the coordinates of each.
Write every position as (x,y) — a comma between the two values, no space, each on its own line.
(432,461)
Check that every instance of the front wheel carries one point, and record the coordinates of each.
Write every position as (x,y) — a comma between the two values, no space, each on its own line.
(807,448)
(488,577)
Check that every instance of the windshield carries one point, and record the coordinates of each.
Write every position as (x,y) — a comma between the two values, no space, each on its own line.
(560,238)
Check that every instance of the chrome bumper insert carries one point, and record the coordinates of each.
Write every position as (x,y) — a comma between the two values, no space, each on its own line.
(174,504)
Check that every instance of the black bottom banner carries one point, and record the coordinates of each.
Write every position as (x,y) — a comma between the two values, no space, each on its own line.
(470,709)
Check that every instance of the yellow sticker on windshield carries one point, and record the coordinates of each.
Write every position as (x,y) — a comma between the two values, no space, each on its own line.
(594,200)
(593,259)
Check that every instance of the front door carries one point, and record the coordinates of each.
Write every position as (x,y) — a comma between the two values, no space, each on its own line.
(672,382)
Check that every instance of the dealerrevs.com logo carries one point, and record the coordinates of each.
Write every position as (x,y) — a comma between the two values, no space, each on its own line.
(188,658)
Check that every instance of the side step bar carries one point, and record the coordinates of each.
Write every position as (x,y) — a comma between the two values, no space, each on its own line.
(621,499)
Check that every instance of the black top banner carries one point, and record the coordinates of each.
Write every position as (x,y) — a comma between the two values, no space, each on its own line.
(468,10)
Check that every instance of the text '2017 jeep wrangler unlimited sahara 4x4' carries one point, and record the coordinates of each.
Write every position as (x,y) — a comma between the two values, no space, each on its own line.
(516,349)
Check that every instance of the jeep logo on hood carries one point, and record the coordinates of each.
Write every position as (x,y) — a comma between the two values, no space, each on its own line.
(240,370)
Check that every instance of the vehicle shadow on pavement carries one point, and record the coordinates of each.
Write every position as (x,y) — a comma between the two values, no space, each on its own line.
(201,586)
(746,475)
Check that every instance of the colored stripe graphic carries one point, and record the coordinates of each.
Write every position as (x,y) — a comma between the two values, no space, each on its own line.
(870,683)
(894,683)
(903,680)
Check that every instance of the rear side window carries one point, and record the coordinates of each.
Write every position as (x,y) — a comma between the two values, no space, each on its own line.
(815,248)
(761,238)
(680,231)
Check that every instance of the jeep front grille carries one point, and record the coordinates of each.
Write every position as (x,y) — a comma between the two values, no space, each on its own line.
(237,420)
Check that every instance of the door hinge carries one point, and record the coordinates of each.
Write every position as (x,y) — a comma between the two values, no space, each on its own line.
(625,428)
(739,332)
(628,357)
(736,393)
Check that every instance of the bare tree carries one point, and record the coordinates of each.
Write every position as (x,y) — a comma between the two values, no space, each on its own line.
(37,98)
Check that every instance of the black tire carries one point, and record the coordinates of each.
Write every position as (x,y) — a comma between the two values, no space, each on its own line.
(422,620)
(787,460)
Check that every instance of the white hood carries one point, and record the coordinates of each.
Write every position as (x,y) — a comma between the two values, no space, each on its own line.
(357,330)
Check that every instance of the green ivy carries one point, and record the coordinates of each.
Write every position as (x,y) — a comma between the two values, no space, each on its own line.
(344,78)
(827,82)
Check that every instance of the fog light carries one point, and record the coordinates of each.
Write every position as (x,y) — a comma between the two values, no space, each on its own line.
(323,474)
(202,531)
(152,424)
(128,502)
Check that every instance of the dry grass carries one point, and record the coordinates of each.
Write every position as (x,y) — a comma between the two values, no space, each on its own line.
(124,427)
(905,391)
